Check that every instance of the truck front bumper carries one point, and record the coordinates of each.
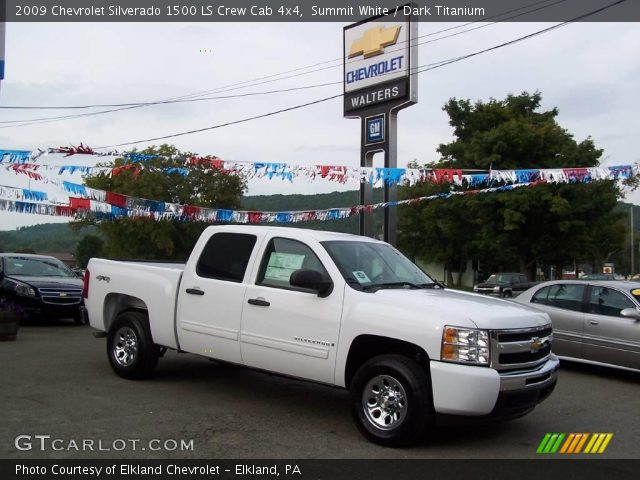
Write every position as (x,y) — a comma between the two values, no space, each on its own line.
(465,390)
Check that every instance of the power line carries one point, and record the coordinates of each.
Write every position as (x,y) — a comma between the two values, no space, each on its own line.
(256,117)
(217,89)
(129,106)
(133,105)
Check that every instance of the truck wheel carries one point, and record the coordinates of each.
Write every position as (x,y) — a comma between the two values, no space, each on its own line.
(507,294)
(130,348)
(391,399)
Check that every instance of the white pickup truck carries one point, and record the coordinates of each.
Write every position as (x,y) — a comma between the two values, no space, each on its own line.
(339,309)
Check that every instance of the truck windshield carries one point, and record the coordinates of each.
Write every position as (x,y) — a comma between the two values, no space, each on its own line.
(499,278)
(369,266)
(37,267)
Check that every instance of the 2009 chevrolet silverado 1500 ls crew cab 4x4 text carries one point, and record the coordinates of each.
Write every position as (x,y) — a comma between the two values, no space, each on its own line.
(333,308)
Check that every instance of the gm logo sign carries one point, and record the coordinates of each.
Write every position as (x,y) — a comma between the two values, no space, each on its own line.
(375,129)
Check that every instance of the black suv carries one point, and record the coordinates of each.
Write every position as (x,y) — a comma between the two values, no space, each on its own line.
(504,284)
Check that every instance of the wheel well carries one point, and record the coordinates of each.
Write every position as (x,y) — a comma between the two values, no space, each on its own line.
(365,347)
(117,303)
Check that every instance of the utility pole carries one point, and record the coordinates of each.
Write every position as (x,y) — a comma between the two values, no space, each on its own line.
(633,263)
(376,99)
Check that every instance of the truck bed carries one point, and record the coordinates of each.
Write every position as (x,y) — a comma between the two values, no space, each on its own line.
(135,283)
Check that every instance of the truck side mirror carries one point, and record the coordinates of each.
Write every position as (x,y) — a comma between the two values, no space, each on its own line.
(630,313)
(311,280)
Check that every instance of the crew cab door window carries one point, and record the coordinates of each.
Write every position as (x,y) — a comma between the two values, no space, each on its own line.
(284,256)
(225,256)
(607,301)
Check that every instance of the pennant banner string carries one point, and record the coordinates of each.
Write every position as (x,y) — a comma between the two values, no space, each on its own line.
(115,207)
(343,174)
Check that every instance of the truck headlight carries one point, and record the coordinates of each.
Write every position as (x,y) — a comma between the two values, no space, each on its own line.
(475,288)
(465,345)
(25,291)
(496,289)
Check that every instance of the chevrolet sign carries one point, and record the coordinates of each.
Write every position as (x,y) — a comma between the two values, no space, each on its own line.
(375,54)
(374,41)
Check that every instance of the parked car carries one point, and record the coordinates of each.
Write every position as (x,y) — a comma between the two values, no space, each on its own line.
(338,309)
(504,284)
(41,285)
(593,321)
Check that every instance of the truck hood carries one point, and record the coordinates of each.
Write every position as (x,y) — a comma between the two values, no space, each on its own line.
(455,307)
(47,282)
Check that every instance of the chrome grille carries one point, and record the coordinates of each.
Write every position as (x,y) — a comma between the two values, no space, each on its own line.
(520,349)
(485,289)
(61,295)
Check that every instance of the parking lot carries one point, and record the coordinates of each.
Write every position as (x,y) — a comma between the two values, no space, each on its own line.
(56,381)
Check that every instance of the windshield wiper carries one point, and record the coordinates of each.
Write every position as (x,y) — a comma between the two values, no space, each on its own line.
(393,284)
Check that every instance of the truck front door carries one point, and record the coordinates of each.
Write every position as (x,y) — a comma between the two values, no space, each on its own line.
(287,329)
(211,295)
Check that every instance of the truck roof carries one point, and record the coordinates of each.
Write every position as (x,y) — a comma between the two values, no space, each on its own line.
(318,235)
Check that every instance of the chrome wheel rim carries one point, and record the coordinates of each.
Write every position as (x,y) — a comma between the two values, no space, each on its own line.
(125,346)
(384,402)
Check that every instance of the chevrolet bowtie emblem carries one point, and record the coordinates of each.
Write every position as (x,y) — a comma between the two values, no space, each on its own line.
(374,41)
(536,344)
(63,294)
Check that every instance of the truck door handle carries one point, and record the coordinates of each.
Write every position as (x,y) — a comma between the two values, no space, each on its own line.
(194,291)
(593,322)
(260,302)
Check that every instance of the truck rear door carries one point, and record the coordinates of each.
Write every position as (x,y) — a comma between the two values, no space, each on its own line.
(211,294)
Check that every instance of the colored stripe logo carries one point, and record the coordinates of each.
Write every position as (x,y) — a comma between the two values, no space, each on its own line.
(574,443)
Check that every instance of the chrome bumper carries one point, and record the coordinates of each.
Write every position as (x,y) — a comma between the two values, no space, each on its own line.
(546,374)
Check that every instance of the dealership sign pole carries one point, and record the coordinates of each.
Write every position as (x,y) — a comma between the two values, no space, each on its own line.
(378,82)
(2,35)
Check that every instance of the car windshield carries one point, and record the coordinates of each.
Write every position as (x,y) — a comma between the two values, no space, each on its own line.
(499,278)
(370,266)
(36,267)
(598,276)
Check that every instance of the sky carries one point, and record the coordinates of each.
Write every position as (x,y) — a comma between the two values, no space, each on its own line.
(589,71)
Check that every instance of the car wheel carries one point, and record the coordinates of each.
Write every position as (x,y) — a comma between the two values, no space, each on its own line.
(130,347)
(391,400)
(507,294)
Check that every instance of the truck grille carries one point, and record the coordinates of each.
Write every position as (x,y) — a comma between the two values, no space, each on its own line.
(61,296)
(485,290)
(520,349)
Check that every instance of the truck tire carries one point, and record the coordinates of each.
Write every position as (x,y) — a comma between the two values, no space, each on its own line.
(507,294)
(391,400)
(130,348)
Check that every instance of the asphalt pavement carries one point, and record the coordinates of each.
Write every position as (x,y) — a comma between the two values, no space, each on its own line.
(56,381)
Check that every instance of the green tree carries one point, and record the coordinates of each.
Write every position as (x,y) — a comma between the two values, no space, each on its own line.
(90,246)
(144,238)
(554,224)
